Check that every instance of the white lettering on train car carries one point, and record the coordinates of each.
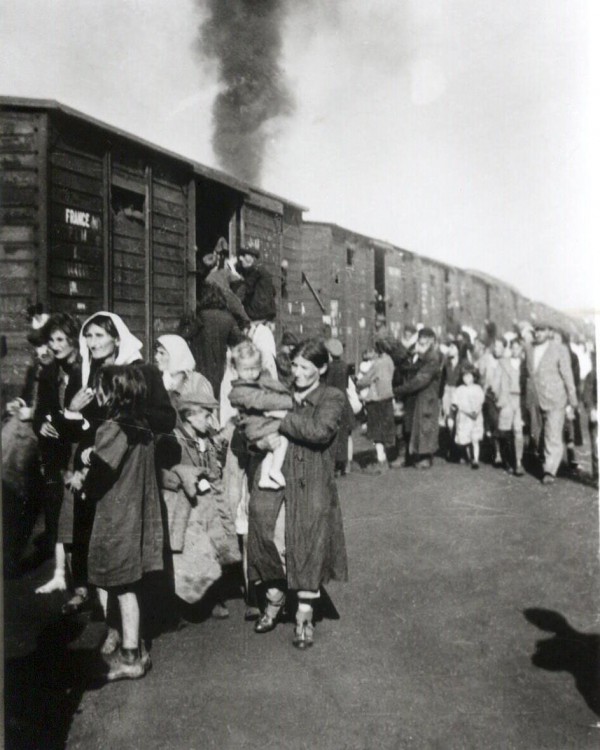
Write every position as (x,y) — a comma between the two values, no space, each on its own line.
(77,218)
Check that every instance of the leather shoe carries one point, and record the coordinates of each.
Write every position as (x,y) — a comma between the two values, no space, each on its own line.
(548,479)
(252,614)
(303,636)
(265,623)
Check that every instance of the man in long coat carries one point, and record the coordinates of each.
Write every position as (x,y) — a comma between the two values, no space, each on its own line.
(421,398)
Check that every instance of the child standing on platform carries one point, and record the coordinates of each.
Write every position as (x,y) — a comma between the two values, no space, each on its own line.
(467,403)
(127,537)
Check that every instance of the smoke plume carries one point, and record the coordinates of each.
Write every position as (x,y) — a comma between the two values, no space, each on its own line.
(244,37)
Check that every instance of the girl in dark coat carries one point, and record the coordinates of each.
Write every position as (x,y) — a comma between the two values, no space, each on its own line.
(126,539)
(314,535)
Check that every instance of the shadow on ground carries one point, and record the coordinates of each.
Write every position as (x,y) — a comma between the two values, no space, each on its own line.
(568,650)
(43,689)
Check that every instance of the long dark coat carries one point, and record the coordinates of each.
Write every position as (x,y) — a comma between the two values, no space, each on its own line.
(127,535)
(216,330)
(314,534)
(422,404)
(257,293)
(337,377)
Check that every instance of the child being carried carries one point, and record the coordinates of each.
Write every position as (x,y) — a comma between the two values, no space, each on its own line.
(254,394)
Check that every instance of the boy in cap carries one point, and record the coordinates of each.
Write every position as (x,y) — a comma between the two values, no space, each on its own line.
(201,526)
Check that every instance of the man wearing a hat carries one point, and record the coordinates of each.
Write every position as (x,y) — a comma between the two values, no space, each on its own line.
(420,394)
(257,290)
(551,396)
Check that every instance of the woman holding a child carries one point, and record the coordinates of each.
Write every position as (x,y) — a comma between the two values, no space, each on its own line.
(314,536)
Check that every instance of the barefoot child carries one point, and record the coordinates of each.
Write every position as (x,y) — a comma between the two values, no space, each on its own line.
(254,393)
(468,402)
(126,539)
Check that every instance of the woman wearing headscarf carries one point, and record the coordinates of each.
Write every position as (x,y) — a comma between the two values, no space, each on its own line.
(176,362)
(104,339)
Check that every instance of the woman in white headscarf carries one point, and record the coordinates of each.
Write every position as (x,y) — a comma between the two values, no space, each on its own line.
(104,339)
(178,367)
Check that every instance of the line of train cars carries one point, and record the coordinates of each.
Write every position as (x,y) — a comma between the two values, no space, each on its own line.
(94,218)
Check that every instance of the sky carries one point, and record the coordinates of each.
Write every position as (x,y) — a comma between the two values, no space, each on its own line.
(458,129)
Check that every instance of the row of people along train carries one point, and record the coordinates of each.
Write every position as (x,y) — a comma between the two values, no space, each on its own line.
(221,454)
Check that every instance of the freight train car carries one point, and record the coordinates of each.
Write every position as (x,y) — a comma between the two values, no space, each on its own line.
(336,272)
(94,218)
(272,226)
(349,282)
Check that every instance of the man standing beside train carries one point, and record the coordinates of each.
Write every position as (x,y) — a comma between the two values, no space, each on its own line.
(551,396)
(420,393)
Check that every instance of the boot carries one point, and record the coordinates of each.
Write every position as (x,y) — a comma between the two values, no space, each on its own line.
(127,665)
(268,620)
(304,632)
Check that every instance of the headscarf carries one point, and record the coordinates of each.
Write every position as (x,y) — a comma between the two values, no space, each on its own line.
(128,350)
(181,358)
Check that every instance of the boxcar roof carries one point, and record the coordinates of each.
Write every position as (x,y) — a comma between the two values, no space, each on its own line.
(17,102)
(492,280)
(372,240)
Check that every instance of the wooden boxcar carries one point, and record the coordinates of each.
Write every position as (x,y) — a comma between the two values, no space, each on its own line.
(338,292)
(94,218)
(272,226)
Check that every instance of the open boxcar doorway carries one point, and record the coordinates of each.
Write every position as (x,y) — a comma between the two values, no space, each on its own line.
(217,218)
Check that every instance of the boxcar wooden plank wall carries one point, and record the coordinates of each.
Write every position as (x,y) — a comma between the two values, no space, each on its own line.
(76,225)
(170,228)
(22,235)
(262,230)
(311,274)
(118,232)
(291,270)
(357,304)
(395,290)
(130,223)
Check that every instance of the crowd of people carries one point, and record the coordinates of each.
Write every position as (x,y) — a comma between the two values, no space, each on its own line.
(217,456)
(515,395)
(221,453)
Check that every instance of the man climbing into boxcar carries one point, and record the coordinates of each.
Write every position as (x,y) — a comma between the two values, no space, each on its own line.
(258,296)
(257,291)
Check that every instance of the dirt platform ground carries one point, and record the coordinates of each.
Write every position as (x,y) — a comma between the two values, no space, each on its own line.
(470,621)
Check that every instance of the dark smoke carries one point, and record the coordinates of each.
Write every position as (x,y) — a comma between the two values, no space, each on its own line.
(244,37)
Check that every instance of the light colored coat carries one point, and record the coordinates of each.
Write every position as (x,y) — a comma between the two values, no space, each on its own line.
(379,379)
(552,381)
